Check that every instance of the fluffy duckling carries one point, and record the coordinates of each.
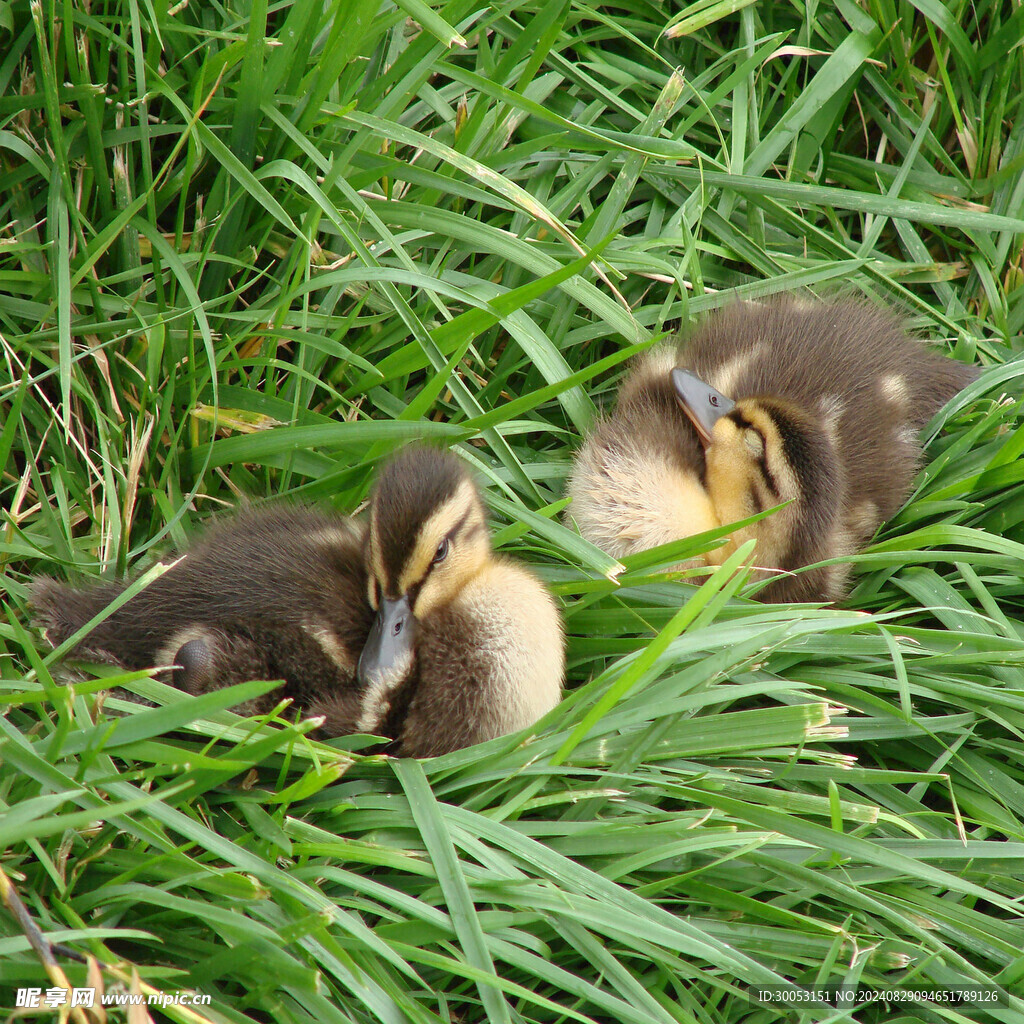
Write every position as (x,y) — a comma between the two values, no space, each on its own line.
(464,646)
(813,406)
(410,629)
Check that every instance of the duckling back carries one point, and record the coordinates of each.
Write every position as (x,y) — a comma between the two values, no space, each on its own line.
(267,593)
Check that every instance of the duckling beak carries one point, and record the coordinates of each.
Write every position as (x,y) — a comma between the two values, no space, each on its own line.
(701,402)
(388,654)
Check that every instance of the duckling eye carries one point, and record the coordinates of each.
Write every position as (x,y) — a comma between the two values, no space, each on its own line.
(442,552)
(754,442)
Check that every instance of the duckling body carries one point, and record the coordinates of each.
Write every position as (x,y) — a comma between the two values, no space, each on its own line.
(297,594)
(814,406)
(464,646)
(274,593)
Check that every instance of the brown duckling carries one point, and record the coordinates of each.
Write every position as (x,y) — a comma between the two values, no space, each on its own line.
(815,406)
(411,629)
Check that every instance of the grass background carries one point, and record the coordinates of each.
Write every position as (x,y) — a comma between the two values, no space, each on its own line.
(248,249)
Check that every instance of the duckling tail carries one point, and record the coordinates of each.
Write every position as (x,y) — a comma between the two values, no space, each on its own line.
(61,611)
(937,381)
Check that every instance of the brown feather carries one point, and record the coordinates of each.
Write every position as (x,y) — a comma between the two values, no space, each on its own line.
(806,353)
(253,585)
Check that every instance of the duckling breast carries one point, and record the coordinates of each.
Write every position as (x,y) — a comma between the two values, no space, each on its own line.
(637,481)
(629,495)
(490,663)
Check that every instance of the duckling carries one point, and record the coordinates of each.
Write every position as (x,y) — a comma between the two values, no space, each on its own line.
(465,646)
(410,628)
(815,407)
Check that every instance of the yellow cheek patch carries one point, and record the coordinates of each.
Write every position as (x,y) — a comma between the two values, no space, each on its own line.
(734,473)
(462,505)
(729,472)
(448,579)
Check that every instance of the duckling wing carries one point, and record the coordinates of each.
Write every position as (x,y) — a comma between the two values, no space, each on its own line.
(314,673)
(489,664)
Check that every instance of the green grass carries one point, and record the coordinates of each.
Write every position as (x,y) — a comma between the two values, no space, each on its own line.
(247,251)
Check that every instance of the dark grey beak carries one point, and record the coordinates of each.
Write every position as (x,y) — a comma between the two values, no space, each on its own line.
(388,654)
(701,402)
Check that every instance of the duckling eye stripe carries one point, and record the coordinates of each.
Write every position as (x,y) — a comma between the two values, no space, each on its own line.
(755,497)
(769,476)
(444,521)
(458,527)
(449,537)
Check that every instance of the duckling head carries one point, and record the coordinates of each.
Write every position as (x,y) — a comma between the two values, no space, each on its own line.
(763,451)
(427,540)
